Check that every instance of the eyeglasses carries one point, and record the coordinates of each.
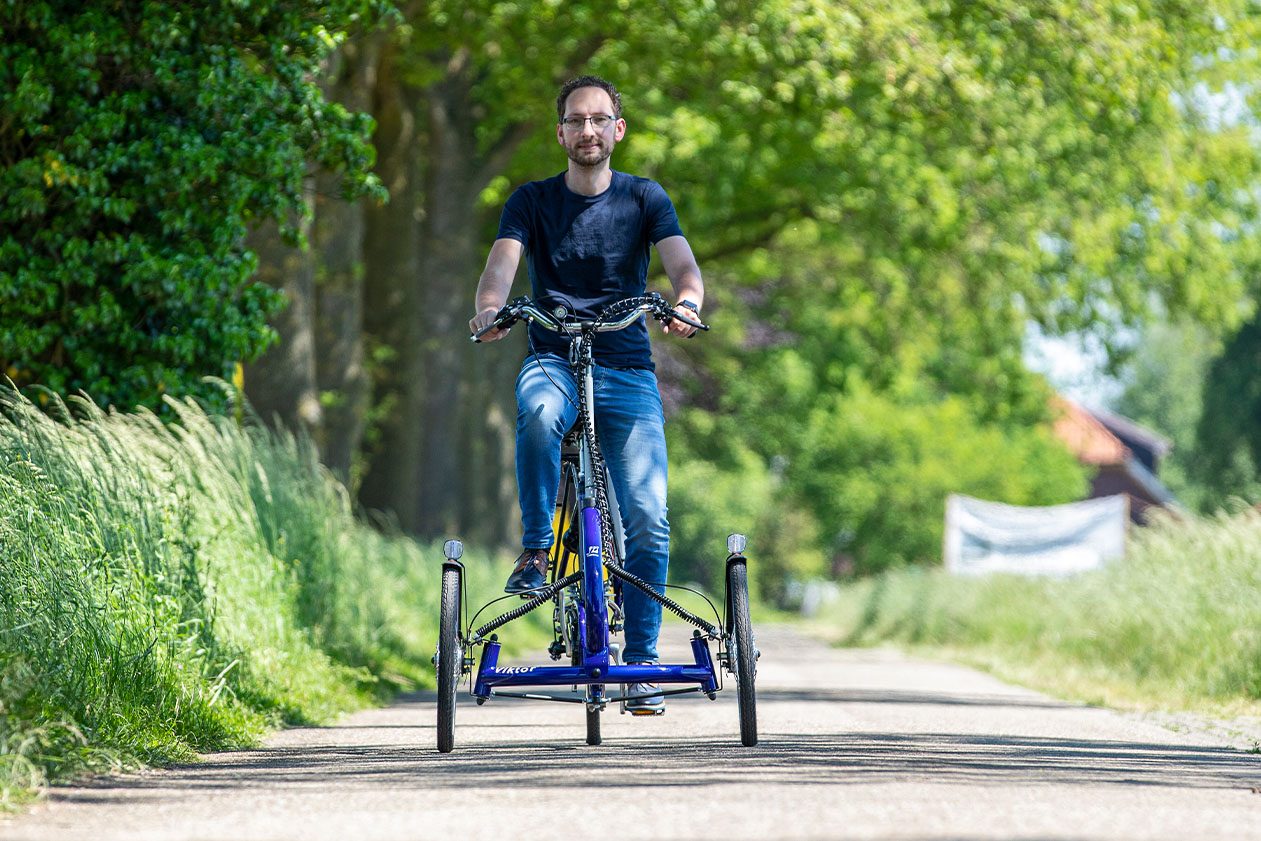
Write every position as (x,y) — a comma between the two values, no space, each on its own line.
(599,122)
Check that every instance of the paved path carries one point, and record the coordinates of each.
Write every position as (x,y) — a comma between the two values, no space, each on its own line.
(856,744)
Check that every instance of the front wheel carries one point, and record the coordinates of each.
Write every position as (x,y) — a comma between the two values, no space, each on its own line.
(593,726)
(743,656)
(450,657)
(575,659)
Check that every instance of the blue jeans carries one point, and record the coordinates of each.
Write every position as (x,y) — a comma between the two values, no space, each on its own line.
(631,427)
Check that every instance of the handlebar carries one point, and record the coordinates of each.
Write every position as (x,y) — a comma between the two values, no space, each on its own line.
(616,316)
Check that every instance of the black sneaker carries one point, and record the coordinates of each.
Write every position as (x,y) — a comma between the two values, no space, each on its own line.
(650,702)
(530,572)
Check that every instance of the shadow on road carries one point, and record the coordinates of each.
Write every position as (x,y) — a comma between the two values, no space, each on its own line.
(816,759)
(894,696)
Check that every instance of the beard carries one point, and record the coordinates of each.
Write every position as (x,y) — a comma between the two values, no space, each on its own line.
(590,156)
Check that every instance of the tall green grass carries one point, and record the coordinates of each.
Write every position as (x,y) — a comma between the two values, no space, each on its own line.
(1177,623)
(173,588)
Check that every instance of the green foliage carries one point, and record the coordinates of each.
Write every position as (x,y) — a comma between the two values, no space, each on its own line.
(1175,622)
(976,161)
(894,192)
(874,471)
(710,499)
(980,162)
(878,472)
(137,143)
(178,588)
(1228,435)
(1164,381)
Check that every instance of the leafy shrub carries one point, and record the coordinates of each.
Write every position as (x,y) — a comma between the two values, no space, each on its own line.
(137,142)
(710,500)
(876,471)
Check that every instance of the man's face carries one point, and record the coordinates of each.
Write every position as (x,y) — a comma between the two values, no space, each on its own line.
(587,145)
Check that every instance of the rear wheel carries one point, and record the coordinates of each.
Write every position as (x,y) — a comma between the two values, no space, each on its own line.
(450,657)
(743,656)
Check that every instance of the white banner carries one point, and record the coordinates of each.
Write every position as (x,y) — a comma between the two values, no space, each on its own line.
(984,537)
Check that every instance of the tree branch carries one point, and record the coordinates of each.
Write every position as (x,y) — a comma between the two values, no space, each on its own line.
(499,155)
(776,220)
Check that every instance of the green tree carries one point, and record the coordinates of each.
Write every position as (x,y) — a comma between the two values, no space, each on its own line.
(1228,435)
(1164,391)
(960,167)
(138,143)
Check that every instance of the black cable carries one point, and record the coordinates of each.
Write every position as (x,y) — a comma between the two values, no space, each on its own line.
(534,355)
(705,598)
(665,601)
(544,596)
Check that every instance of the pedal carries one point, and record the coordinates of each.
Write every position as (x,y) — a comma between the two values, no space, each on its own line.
(661,711)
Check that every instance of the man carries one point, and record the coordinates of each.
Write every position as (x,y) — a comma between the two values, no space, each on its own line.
(586,235)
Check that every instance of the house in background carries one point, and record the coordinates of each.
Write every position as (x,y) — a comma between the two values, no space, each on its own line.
(1126,457)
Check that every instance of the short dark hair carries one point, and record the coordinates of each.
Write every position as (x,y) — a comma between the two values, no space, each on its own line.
(588,82)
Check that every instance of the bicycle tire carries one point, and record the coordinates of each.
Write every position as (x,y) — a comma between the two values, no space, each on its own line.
(744,656)
(593,727)
(449,657)
(593,716)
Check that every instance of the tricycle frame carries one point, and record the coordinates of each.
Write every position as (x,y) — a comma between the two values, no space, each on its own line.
(595,663)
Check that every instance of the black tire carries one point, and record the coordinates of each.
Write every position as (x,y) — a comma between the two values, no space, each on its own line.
(450,658)
(741,650)
(593,727)
(593,716)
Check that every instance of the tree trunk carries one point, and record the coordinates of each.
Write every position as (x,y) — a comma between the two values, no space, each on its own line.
(392,305)
(467,479)
(448,261)
(281,383)
(443,460)
(337,242)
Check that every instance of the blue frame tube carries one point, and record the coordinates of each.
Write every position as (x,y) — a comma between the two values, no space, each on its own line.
(490,677)
(593,632)
(595,642)
(490,659)
(700,650)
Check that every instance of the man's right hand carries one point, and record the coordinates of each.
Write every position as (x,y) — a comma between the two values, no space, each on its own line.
(484,319)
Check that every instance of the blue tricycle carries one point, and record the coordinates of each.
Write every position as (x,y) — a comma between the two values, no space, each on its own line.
(586,578)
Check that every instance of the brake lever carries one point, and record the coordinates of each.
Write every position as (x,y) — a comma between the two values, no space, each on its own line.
(505,318)
(670,314)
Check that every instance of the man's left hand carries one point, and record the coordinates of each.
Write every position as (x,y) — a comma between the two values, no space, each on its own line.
(678,328)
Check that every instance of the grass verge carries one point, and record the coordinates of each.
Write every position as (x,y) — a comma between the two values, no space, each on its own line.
(1176,625)
(169,589)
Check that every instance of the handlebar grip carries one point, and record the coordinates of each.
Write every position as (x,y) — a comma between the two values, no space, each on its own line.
(698,325)
(505,318)
(476,338)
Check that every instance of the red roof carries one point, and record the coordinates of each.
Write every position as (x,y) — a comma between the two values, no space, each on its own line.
(1086,437)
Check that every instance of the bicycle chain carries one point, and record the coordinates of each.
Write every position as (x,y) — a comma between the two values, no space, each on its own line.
(599,475)
(540,598)
(613,562)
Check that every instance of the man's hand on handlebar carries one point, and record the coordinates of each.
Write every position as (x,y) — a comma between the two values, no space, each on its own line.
(484,319)
(678,327)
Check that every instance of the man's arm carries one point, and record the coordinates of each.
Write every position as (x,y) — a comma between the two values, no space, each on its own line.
(494,286)
(685,276)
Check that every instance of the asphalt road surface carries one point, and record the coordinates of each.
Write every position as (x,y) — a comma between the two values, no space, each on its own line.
(855,744)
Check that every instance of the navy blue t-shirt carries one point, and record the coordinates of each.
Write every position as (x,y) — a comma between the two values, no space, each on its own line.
(589,251)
